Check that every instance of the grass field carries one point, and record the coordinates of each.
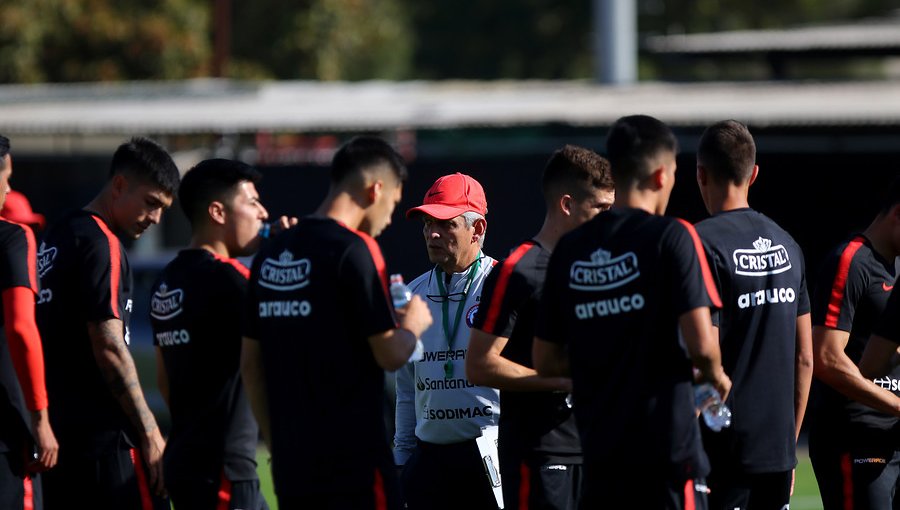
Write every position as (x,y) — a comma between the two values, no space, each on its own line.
(806,492)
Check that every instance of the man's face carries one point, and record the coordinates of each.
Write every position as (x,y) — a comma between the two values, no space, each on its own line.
(593,203)
(244,217)
(448,241)
(5,174)
(380,212)
(668,160)
(137,205)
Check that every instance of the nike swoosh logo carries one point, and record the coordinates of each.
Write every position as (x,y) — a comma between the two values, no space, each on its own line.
(433,193)
(886,287)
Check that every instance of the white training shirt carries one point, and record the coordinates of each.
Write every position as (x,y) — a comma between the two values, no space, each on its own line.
(430,406)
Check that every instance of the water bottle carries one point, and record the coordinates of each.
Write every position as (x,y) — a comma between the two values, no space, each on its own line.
(715,413)
(401,296)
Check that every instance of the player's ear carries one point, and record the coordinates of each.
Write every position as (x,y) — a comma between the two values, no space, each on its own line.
(754,174)
(374,191)
(565,204)
(118,185)
(658,178)
(702,176)
(216,212)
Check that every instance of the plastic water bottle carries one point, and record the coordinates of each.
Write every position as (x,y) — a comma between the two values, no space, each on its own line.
(401,296)
(715,413)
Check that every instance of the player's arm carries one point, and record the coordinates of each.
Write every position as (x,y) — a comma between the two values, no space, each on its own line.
(803,369)
(879,358)
(703,348)
(392,348)
(28,359)
(485,366)
(162,377)
(832,366)
(253,376)
(119,373)
(550,359)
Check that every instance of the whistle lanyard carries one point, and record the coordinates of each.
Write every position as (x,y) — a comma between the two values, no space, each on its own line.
(450,333)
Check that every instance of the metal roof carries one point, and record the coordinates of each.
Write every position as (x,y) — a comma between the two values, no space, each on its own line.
(222,106)
(881,35)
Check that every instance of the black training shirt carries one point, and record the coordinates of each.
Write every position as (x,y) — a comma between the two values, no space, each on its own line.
(759,271)
(17,269)
(851,294)
(615,289)
(196,310)
(85,277)
(532,422)
(317,292)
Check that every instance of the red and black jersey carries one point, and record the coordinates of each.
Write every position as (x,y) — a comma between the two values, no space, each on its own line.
(195,311)
(317,292)
(851,294)
(532,422)
(17,269)
(85,277)
(760,273)
(615,289)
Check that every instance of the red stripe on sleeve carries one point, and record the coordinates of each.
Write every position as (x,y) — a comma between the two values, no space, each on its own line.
(839,286)
(704,265)
(506,270)
(379,492)
(224,493)
(241,268)
(24,343)
(115,262)
(28,500)
(377,258)
(143,486)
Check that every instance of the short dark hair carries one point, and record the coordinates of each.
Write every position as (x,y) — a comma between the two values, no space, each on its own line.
(727,152)
(148,161)
(210,180)
(363,152)
(4,150)
(576,171)
(632,144)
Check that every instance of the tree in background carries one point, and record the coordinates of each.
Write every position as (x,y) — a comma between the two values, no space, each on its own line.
(103,40)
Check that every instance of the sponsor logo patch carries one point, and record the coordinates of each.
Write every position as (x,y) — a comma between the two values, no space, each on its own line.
(284,273)
(603,271)
(761,260)
(166,304)
(45,257)
(470,315)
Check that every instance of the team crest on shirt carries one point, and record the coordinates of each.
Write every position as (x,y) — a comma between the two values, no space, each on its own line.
(603,271)
(284,273)
(45,258)
(470,315)
(166,304)
(761,260)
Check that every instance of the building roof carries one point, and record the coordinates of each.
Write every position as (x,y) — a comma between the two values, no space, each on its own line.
(222,106)
(869,36)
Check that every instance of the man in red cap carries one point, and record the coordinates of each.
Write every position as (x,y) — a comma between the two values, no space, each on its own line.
(17,208)
(439,412)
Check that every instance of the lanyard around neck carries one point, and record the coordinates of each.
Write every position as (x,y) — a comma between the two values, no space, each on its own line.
(450,334)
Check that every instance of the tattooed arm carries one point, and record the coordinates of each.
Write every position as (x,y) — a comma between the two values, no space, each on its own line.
(117,367)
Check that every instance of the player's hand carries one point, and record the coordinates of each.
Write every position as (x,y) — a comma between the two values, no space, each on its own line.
(45,442)
(152,446)
(283,223)
(415,316)
(722,383)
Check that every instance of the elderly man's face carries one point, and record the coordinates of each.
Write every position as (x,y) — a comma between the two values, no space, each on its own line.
(450,243)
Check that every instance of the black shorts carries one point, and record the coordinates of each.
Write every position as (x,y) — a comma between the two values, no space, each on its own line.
(221,494)
(381,493)
(18,489)
(639,489)
(861,473)
(446,477)
(542,483)
(733,490)
(115,480)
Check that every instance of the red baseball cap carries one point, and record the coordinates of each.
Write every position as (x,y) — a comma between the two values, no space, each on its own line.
(17,208)
(450,196)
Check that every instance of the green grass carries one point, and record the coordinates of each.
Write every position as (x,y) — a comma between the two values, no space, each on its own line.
(806,491)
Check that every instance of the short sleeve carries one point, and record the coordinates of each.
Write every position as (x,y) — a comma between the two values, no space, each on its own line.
(840,286)
(18,258)
(100,277)
(888,325)
(504,291)
(551,322)
(363,281)
(803,304)
(691,284)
